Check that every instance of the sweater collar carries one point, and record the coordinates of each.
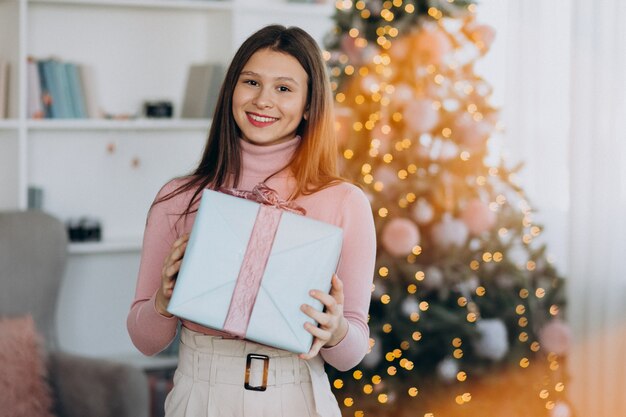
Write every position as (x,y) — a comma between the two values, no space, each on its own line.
(264,160)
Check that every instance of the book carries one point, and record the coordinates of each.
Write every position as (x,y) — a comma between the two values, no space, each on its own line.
(63,89)
(35,106)
(64,99)
(75,89)
(49,89)
(4,88)
(87,80)
(204,82)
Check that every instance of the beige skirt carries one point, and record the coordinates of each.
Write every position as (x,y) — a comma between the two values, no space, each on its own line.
(219,377)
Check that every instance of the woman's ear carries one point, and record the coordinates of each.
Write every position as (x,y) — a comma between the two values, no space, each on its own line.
(305,115)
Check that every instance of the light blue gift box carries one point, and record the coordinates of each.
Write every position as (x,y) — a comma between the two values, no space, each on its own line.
(304,256)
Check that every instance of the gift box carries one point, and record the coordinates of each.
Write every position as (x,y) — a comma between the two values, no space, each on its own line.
(248,268)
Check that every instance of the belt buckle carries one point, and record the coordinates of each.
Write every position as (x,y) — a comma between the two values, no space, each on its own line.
(266,365)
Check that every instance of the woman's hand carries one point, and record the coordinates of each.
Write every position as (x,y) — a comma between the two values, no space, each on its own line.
(171,266)
(333,326)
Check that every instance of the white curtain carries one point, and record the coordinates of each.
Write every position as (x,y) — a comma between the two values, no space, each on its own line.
(559,72)
(597,238)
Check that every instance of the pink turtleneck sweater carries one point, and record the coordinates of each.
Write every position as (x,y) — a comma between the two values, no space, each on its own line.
(343,205)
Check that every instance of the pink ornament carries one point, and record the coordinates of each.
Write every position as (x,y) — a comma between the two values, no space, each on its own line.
(450,232)
(420,116)
(478,217)
(482,35)
(432,45)
(400,236)
(399,48)
(403,93)
(386,175)
(382,134)
(348,46)
(343,124)
(471,133)
(555,337)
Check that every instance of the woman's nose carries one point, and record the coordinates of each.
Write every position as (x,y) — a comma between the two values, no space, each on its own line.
(263,99)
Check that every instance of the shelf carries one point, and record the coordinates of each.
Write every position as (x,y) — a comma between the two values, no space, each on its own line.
(149,4)
(9,124)
(108,246)
(147,363)
(117,125)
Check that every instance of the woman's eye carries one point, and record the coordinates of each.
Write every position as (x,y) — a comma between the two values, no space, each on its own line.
(251,82)
(282,88)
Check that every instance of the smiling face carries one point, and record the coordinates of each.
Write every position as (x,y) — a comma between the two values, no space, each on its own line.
(269,99)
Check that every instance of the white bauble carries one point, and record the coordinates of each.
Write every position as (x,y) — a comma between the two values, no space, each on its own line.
(422,211)
(468,286)
(410,306)
(403,93)
(379,289)
(372,359)
(493,343)
(450,232)
(370,83)
(449,150)
(560,410)
(433,278)
(447,369)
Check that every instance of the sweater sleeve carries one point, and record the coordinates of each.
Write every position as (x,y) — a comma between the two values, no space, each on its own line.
(356,271)
(150,331)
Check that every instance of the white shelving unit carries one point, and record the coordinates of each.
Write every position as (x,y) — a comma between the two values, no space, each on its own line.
(136,51)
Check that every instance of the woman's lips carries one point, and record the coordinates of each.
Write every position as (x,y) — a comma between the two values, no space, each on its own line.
(260,120)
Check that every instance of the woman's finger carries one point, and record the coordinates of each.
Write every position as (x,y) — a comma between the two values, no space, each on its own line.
(318,332)
(315,348)
(328,300)
(178,252)
(336,290)
(318,316)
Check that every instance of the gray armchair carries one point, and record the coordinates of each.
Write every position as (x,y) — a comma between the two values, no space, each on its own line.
(33,255)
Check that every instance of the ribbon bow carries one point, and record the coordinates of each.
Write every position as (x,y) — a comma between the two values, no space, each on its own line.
(263,194)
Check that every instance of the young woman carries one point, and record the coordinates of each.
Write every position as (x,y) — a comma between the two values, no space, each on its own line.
(273,124)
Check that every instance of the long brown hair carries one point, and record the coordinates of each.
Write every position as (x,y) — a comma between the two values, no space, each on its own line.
(314,163)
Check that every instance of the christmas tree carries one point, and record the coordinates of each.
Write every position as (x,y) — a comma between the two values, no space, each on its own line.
(467,312)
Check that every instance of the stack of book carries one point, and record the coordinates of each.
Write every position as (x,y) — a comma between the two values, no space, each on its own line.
(4,88)
(56,90)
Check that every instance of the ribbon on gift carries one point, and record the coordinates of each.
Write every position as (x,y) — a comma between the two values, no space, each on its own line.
(263,194)
(257,254)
